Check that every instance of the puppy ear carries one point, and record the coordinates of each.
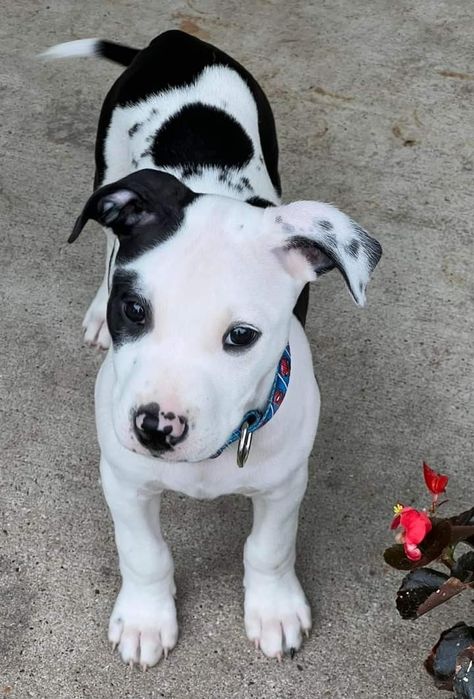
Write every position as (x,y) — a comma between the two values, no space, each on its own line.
(145,197)
(312,238)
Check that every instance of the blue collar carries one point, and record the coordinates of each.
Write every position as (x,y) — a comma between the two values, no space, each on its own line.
(255,419)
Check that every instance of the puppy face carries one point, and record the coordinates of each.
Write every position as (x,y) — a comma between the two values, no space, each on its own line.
(201,303)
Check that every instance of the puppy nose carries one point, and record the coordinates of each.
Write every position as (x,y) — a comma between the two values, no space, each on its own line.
(158,429)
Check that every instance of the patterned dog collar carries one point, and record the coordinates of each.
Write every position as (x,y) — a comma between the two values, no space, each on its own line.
(255,419)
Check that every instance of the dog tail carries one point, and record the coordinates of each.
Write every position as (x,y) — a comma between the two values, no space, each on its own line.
(93,47)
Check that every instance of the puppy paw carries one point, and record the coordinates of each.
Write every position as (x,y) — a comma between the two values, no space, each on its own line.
(276,613)
(143,627)
(96,332)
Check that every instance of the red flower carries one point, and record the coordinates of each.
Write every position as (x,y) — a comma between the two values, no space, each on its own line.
(416,526)
(435,482)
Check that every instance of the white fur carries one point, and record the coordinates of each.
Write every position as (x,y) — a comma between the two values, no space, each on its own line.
(72,49)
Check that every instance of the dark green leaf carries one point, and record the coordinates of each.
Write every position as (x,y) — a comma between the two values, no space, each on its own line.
(464,567)
(463,684)
(433,544)
(416,588)
(441,663)
(395,557)
(464,519)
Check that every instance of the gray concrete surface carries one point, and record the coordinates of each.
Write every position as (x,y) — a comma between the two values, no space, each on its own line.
(374,106)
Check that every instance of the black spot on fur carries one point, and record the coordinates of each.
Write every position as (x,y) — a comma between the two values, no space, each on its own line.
(331,240)
(353,248)
(237,186)
(371,247)
(245,182)
(325,225)
(258,201)
(191,170)
(125,288)
(278,219)
(133,130)
(135,162)
(199,135)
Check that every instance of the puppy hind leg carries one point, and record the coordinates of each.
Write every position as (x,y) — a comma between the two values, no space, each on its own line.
(96,332)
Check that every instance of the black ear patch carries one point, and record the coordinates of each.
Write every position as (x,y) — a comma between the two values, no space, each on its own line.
(142,209)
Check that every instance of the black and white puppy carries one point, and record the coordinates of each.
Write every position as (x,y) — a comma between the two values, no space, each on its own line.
(202,304)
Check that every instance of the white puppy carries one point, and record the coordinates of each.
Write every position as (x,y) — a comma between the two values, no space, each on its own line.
(205,297)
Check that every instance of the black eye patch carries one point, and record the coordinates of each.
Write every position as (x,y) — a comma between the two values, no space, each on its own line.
(129,314)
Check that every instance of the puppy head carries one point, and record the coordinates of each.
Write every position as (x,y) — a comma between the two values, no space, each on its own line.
(201,303)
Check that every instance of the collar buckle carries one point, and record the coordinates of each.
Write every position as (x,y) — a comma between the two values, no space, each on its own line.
(245,442)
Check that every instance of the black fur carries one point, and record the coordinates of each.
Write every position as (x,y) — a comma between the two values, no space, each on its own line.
(124,287)
(116,52)
(152,214)
(372,247)
(258,201)
(201,135)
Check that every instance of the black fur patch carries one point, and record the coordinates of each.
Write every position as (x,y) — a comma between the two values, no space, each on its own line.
(133,130)
(371,247)
(258,201)
(245,182)
(353,248)
(151,214)
(201,135)
(181,59)
(325,225)
(124,288)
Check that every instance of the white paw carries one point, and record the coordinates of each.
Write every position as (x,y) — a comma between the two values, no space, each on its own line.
(96,332)
(143,626)
(276,613)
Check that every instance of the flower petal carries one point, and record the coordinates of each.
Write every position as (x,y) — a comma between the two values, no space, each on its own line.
(395,522)
(416,525)
(412,551)
(435,482)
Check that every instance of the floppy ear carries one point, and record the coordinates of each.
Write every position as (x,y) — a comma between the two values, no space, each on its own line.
(312,238)
(145,197)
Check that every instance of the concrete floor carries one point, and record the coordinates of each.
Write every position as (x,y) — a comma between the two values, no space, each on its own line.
(374,106)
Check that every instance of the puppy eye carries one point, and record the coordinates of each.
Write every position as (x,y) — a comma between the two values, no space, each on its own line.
(240,337)
(134,311)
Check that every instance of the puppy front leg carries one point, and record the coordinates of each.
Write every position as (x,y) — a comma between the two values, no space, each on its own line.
(94,325)
(276,610)
(143,623)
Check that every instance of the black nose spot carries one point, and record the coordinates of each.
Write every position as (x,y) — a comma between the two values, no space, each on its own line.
(154,431)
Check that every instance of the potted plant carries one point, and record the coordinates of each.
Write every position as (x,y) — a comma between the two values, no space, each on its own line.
(424,537)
